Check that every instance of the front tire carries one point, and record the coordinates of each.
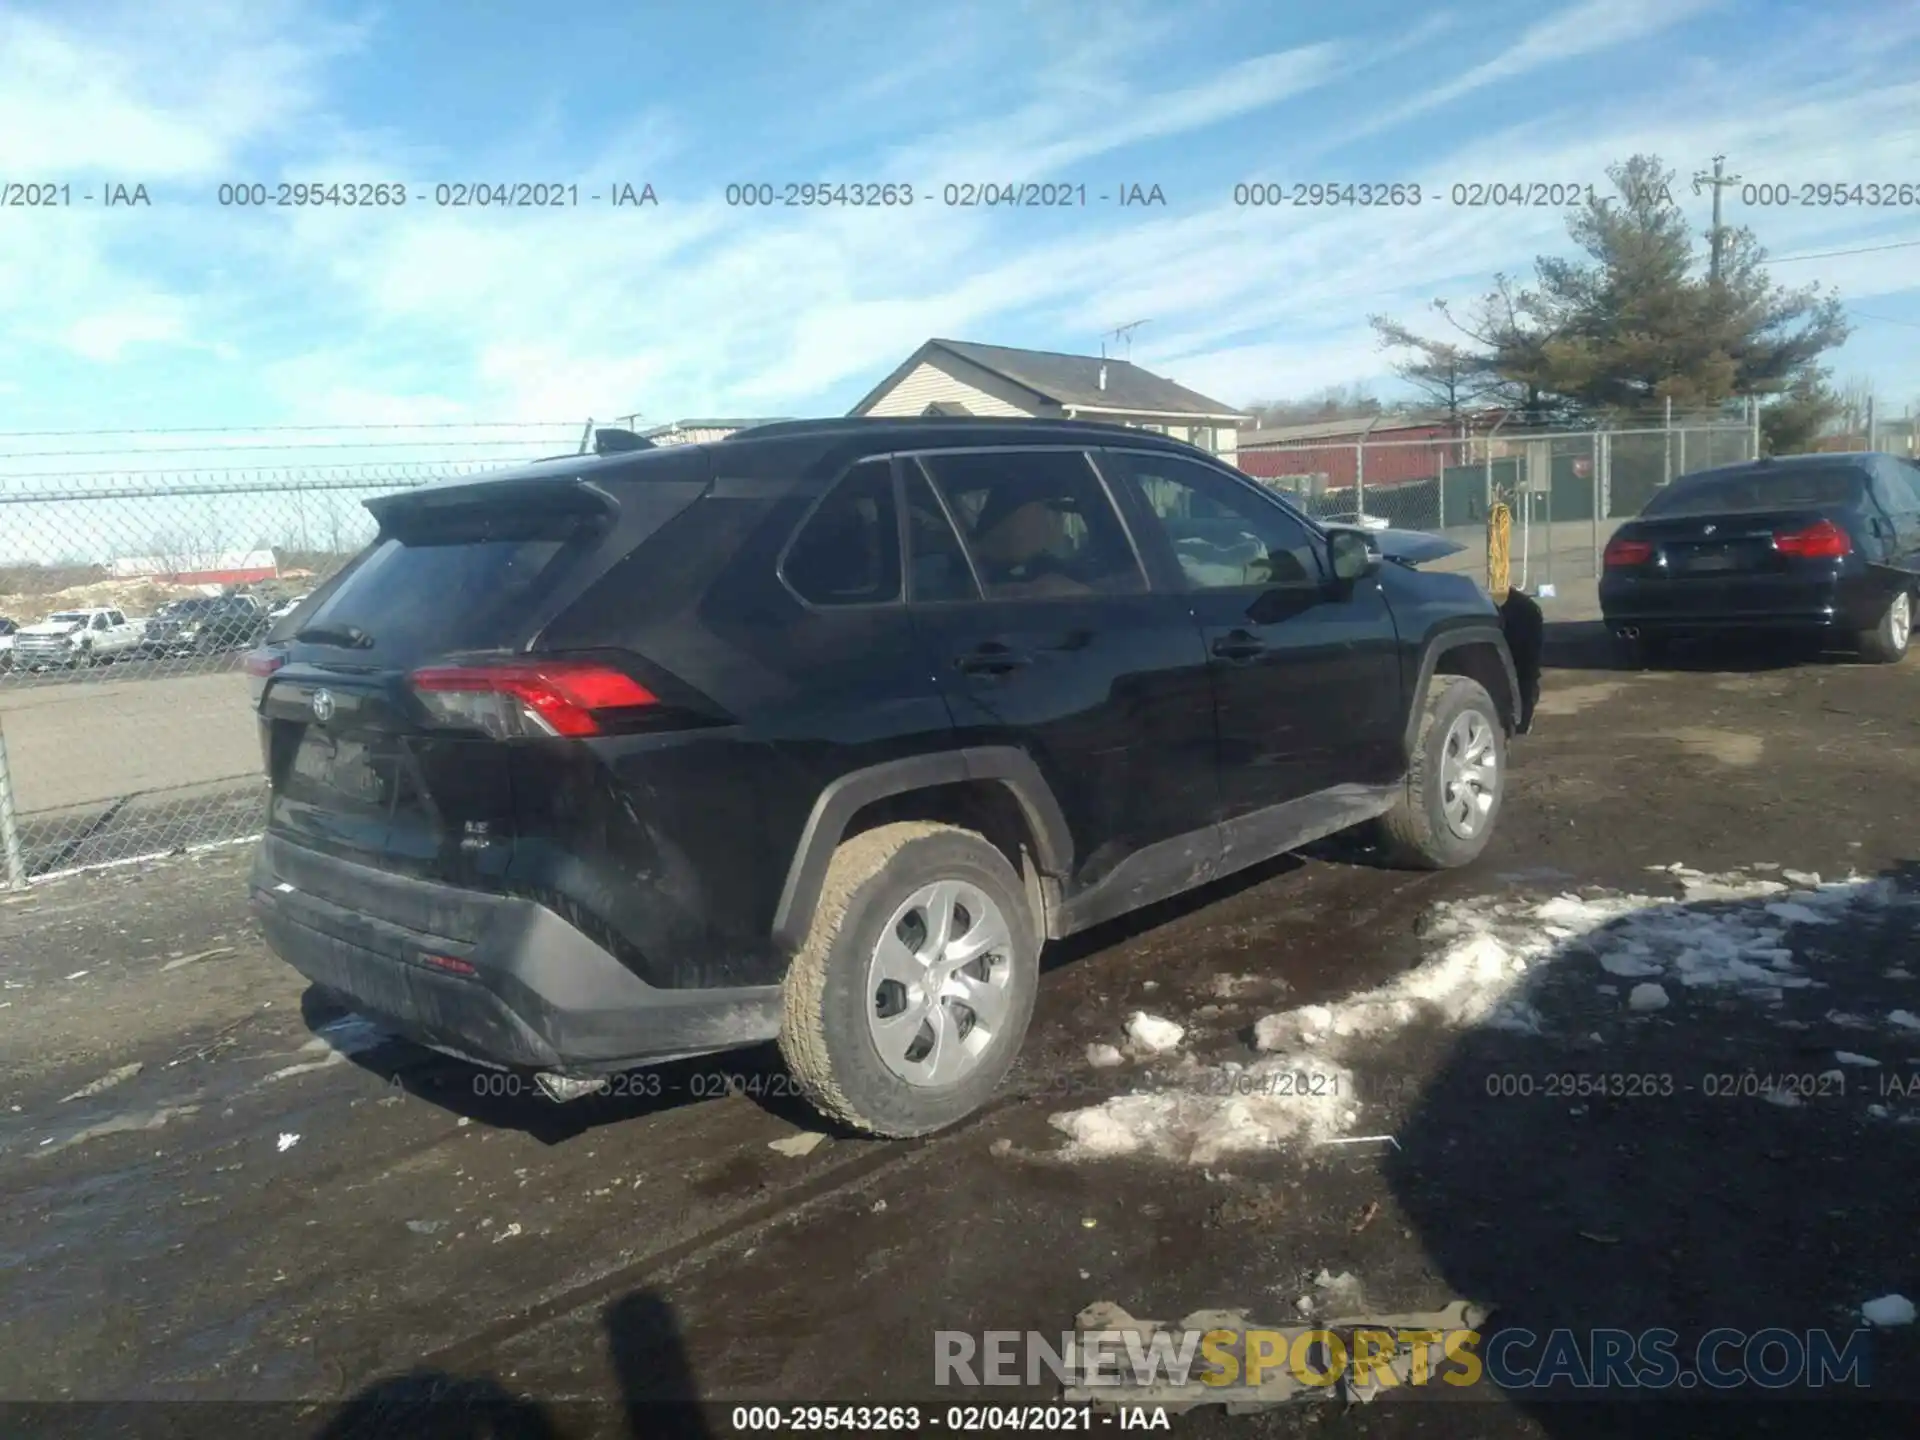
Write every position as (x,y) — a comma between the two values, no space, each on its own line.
(908,1003)
(1886,643)
(1446,812)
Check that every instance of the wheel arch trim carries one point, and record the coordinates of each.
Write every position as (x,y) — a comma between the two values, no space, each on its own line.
(1511,704)
(846,795)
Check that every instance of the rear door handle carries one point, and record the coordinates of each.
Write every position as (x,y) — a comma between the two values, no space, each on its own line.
(992,658)
(1238,645)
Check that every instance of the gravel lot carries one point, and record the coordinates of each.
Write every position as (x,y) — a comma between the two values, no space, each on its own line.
(162,1238)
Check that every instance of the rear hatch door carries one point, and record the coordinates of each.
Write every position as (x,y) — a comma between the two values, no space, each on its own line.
(458,575)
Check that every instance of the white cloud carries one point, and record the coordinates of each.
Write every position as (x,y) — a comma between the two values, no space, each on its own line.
(1583,29)
(106,335)
(138,94)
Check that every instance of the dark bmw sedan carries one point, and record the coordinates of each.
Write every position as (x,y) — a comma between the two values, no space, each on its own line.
(1825,545)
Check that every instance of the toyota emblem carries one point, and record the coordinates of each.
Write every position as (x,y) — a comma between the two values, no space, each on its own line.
(323,705)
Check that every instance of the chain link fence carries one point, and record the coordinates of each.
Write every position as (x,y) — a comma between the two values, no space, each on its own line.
(1566,492)
(136,571)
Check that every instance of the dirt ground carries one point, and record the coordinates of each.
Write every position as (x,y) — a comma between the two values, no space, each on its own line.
(214,1190)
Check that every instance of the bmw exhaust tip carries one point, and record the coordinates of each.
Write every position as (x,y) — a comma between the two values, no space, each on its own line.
(1627,632)
(562,1088)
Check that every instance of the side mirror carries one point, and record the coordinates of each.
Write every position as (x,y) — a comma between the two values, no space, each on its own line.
(1350,557)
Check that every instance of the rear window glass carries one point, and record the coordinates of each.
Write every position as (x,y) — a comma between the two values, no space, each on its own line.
(434,593)
(1795,488)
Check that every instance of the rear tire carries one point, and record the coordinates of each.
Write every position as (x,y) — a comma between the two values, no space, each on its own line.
(856,989)
(1886,643)
(1457,775)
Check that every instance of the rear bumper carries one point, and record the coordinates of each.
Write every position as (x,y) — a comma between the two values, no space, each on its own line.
(1848,602)
(543,995)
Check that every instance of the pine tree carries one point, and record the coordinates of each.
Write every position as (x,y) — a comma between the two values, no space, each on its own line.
(1636,323)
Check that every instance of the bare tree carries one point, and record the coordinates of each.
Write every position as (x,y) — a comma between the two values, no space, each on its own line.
(1450,376)
(1335,402)
(1856,405)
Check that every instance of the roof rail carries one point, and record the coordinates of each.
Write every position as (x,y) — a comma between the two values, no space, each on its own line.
(830,423)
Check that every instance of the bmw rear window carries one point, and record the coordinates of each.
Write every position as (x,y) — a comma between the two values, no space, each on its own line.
(1798,487)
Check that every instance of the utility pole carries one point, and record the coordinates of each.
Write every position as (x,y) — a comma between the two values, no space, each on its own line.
(1719,181)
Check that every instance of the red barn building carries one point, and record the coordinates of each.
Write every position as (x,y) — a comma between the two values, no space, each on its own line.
(1329,452)
(235,567)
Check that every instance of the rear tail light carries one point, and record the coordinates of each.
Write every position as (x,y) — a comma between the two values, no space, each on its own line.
(1621,552)
(450,964)
(527,698)
(1822,540)
(260,666)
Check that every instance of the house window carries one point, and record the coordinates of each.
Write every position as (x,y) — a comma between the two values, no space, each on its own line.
(1202,435)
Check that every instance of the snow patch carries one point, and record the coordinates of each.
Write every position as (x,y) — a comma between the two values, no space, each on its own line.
(1487,953)
(1230,1110)
(1471,983)
(1153,1034)
(1888,1310)
(1647,996)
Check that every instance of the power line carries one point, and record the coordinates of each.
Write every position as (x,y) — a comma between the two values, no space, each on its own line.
(1829,254)
(1883,319)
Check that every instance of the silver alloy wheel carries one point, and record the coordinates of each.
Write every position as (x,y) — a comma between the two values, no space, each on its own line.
(1900,620)
(1469,773)
(939,984)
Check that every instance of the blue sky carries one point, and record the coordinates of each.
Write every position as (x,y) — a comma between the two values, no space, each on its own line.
(185,313)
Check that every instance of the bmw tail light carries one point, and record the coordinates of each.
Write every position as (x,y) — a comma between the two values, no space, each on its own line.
(1622,552)
(1822,540)
(519,699)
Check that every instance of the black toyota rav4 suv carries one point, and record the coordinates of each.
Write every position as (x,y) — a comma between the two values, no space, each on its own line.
(821,731)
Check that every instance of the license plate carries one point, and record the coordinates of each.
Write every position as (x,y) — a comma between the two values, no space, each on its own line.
(1710,560)
(341,766)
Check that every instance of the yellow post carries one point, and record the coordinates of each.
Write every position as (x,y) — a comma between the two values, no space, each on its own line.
(1499,537)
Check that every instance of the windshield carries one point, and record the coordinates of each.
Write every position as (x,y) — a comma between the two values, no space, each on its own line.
(67,617)
(1800,487)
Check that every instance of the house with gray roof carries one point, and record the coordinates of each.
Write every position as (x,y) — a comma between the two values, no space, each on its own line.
(958,377)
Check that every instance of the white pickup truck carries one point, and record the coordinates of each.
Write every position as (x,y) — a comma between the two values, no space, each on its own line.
(68,638)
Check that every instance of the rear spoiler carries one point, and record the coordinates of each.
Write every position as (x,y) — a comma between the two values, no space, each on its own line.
(551,504)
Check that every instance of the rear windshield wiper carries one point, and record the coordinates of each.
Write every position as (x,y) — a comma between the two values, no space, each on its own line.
(350,636)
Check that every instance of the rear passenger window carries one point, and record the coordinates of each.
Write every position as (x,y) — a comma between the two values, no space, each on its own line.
(847,552)
(1037,523)
(937,566)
